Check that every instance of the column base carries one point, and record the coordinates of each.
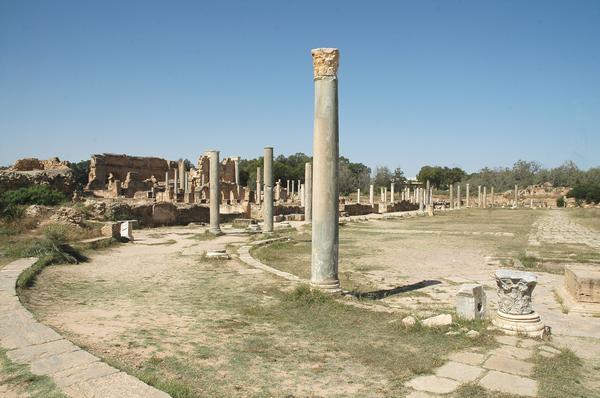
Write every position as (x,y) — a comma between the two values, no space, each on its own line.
(216,231)
(328,286)
(529,325)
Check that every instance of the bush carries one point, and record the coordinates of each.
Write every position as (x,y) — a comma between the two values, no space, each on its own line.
(560,202)
(12,202)
(587,192)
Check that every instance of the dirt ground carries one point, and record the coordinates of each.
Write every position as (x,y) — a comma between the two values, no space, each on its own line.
(160,310)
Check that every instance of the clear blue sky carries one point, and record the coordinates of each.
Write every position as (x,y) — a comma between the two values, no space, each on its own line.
(457,83)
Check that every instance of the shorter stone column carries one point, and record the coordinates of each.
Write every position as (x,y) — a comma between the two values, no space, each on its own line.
(451,196)
(515,315)
(516,196)
(381,194)
(458,196)
(421,198)
(492,197)
(176,183)
(308,192)
(167,180)
(293,189)
(287,190)
(358,196)
(467,198)
(392,193)
(385,195)
(479,196)
(215,192)
(485,197)
(301,195)
(371,194)
(428,187)
(257,200)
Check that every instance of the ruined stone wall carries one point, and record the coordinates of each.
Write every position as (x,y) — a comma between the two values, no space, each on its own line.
(356,209)
(119,165)
(31,164)
(227,170)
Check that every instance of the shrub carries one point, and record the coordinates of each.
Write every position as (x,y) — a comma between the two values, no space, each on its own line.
(12,202)
(560,202)
(587,192)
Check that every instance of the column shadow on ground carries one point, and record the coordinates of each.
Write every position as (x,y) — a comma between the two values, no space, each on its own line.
(383,293)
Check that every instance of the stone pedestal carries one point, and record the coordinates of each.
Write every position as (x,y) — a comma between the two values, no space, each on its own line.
(471,302)
(127,230)
(325,225)
(515,315)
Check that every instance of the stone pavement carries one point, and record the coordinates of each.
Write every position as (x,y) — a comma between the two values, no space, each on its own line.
(557,227)
(505,369)
(76,372)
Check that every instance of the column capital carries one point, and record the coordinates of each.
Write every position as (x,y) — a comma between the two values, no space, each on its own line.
(325,62)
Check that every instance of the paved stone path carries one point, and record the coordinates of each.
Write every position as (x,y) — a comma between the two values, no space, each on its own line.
(505,369)
(557,227)
(77,372)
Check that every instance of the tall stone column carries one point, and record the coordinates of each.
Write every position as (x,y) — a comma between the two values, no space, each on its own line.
(308,192)
(215,192)
(236,164)
(479,196)
(458,196)
(428,187)
(485,197)
(392,193)
(468,194)
(421,198)
(167,180)
(268,188)
(301,194)
(492,197)
(451,196)
(358,196)
(385,195)
(258,186)
(371,194)
(176,183)
(325,228)
(287,190)
(516,195)
(293,188)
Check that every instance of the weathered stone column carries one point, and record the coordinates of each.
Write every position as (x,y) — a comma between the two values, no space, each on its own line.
(492,197)
(175,183)
(167,180)
(421,198)
(479,196)
(385,195)
(308,192)
(516,196)
(458,196)
(428,187)
(451,196)
(358,196)
(257,200)
(381,194)
(287,190)
(268,188)
(325,228)
(215,192)
(236,164)
(371,194)
(485,197)
(301,194)
(293,188)
(392,193)
(468,193)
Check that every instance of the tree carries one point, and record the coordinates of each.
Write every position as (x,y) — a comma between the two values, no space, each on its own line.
(382,177)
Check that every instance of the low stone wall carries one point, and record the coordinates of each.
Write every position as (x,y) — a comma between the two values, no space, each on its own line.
(356,209)
(165,214)
(58,179)
(401,206)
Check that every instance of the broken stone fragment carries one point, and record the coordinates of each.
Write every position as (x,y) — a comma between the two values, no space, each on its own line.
(438,320)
